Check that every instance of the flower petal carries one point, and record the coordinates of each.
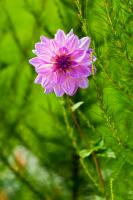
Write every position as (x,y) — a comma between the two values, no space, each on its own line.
(42,49)
(36,62)
(70,33)
(83,83)
(62,50)
(77,54)
(69,85)
(60,76)
(58,90)
(53,46)
(49,80)
(80,55)
(72,43)
(43,69)
(38,79)
(84,43)
(80,71)
(94,58)
(44,39)
(60,37)
(48,90)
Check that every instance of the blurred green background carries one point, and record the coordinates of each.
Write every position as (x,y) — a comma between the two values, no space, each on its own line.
(37,157)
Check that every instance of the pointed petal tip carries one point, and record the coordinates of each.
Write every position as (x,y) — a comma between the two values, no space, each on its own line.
(83,83)
(59,92)
(44,39)
(31,61)
(60,36)
(85,43)
(69,34)
(59,31)
(34,51)
(34,61)
(38,79)
(71,31)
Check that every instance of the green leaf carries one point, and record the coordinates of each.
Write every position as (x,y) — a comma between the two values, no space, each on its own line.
(76,105)
(108,153)
(85,153)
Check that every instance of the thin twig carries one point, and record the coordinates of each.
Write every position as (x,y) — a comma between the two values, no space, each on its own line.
(75,146)
(94,157)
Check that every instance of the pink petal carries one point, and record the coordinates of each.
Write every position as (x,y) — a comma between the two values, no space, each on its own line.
(77,54)
(62,50)
(45,80)
(48,90)
(60,76)
(34,51)
(85,61)
(90,51)
(72,43)
(38,79)
(84,43)
(41,48)
(36,62)
(60,37)
(94,58)
(45,68)
(46,58)
(80,71)
(69,85)
(54,46)
(83,83)
(80,55)
(44,39)
(70,33)
(48,80)
(58,90)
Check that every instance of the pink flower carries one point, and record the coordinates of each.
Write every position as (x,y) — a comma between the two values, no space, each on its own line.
(63,63)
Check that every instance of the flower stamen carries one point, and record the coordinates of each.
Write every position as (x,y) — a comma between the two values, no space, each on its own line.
(63,62)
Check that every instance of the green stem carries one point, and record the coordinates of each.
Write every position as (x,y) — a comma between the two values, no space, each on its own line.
(111,188)
(94,157)
(75,145)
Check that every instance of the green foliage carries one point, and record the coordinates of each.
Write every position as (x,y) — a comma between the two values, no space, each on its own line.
(76,105)
(77,148)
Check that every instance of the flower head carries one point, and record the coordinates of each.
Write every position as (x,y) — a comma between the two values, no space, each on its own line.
(63,63)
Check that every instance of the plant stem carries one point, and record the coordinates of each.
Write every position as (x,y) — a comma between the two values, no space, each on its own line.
(99,172)
(111,188)
(94,157)
(75,146)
